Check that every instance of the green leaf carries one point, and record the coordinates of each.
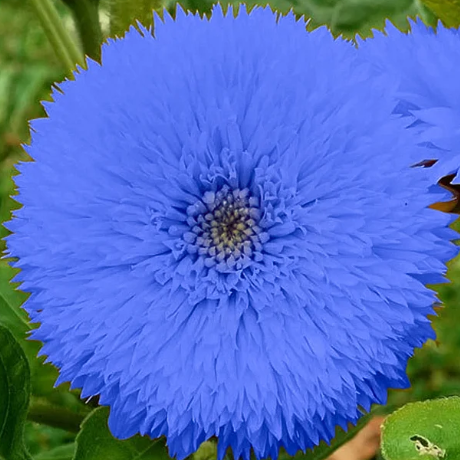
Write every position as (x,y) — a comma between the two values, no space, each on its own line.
(95,442)
(65,452)
(11,315)
(446,10)
(428,430)
(346,17)
(426,15)
(361,16)
(124,13)
(207,451)
(323,450)
(15,319)
(14,397)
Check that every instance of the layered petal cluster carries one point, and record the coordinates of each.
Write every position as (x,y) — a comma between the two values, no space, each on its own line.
(425,67)
(222,234)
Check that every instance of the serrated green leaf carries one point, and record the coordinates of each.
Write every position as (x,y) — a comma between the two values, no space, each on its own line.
(346,17)
(448,11)
(95,442)
(14,397)
(65,452)
(427,430)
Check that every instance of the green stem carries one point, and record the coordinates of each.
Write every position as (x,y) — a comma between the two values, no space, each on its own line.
(62,43)
(56,417)
(86,16)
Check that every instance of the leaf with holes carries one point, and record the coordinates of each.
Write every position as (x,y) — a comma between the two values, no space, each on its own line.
(427,430)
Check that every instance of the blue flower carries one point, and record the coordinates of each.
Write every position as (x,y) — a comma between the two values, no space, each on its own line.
(425,67)
(222,234)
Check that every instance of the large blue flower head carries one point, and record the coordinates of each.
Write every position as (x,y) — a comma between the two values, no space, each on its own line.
(425,67)
(222,234)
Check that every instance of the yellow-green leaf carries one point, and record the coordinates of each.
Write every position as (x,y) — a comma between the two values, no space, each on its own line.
(446,10)
(124,13)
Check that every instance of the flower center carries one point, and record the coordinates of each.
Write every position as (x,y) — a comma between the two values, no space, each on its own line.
(224,229)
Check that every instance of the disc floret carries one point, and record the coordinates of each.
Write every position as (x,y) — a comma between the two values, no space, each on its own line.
(225,229)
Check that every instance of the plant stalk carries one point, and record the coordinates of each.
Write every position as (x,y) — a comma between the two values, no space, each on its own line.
(59,37)
(86,17)
(56,417)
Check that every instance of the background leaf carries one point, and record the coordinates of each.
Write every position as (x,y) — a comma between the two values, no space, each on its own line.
(95,442)
(14,397)
(65,452)
(446,10)
(124,13)
(15,319)
(343,17)
(11,315)
(423,430)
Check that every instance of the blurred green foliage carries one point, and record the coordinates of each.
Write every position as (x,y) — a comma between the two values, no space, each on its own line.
(29,67)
